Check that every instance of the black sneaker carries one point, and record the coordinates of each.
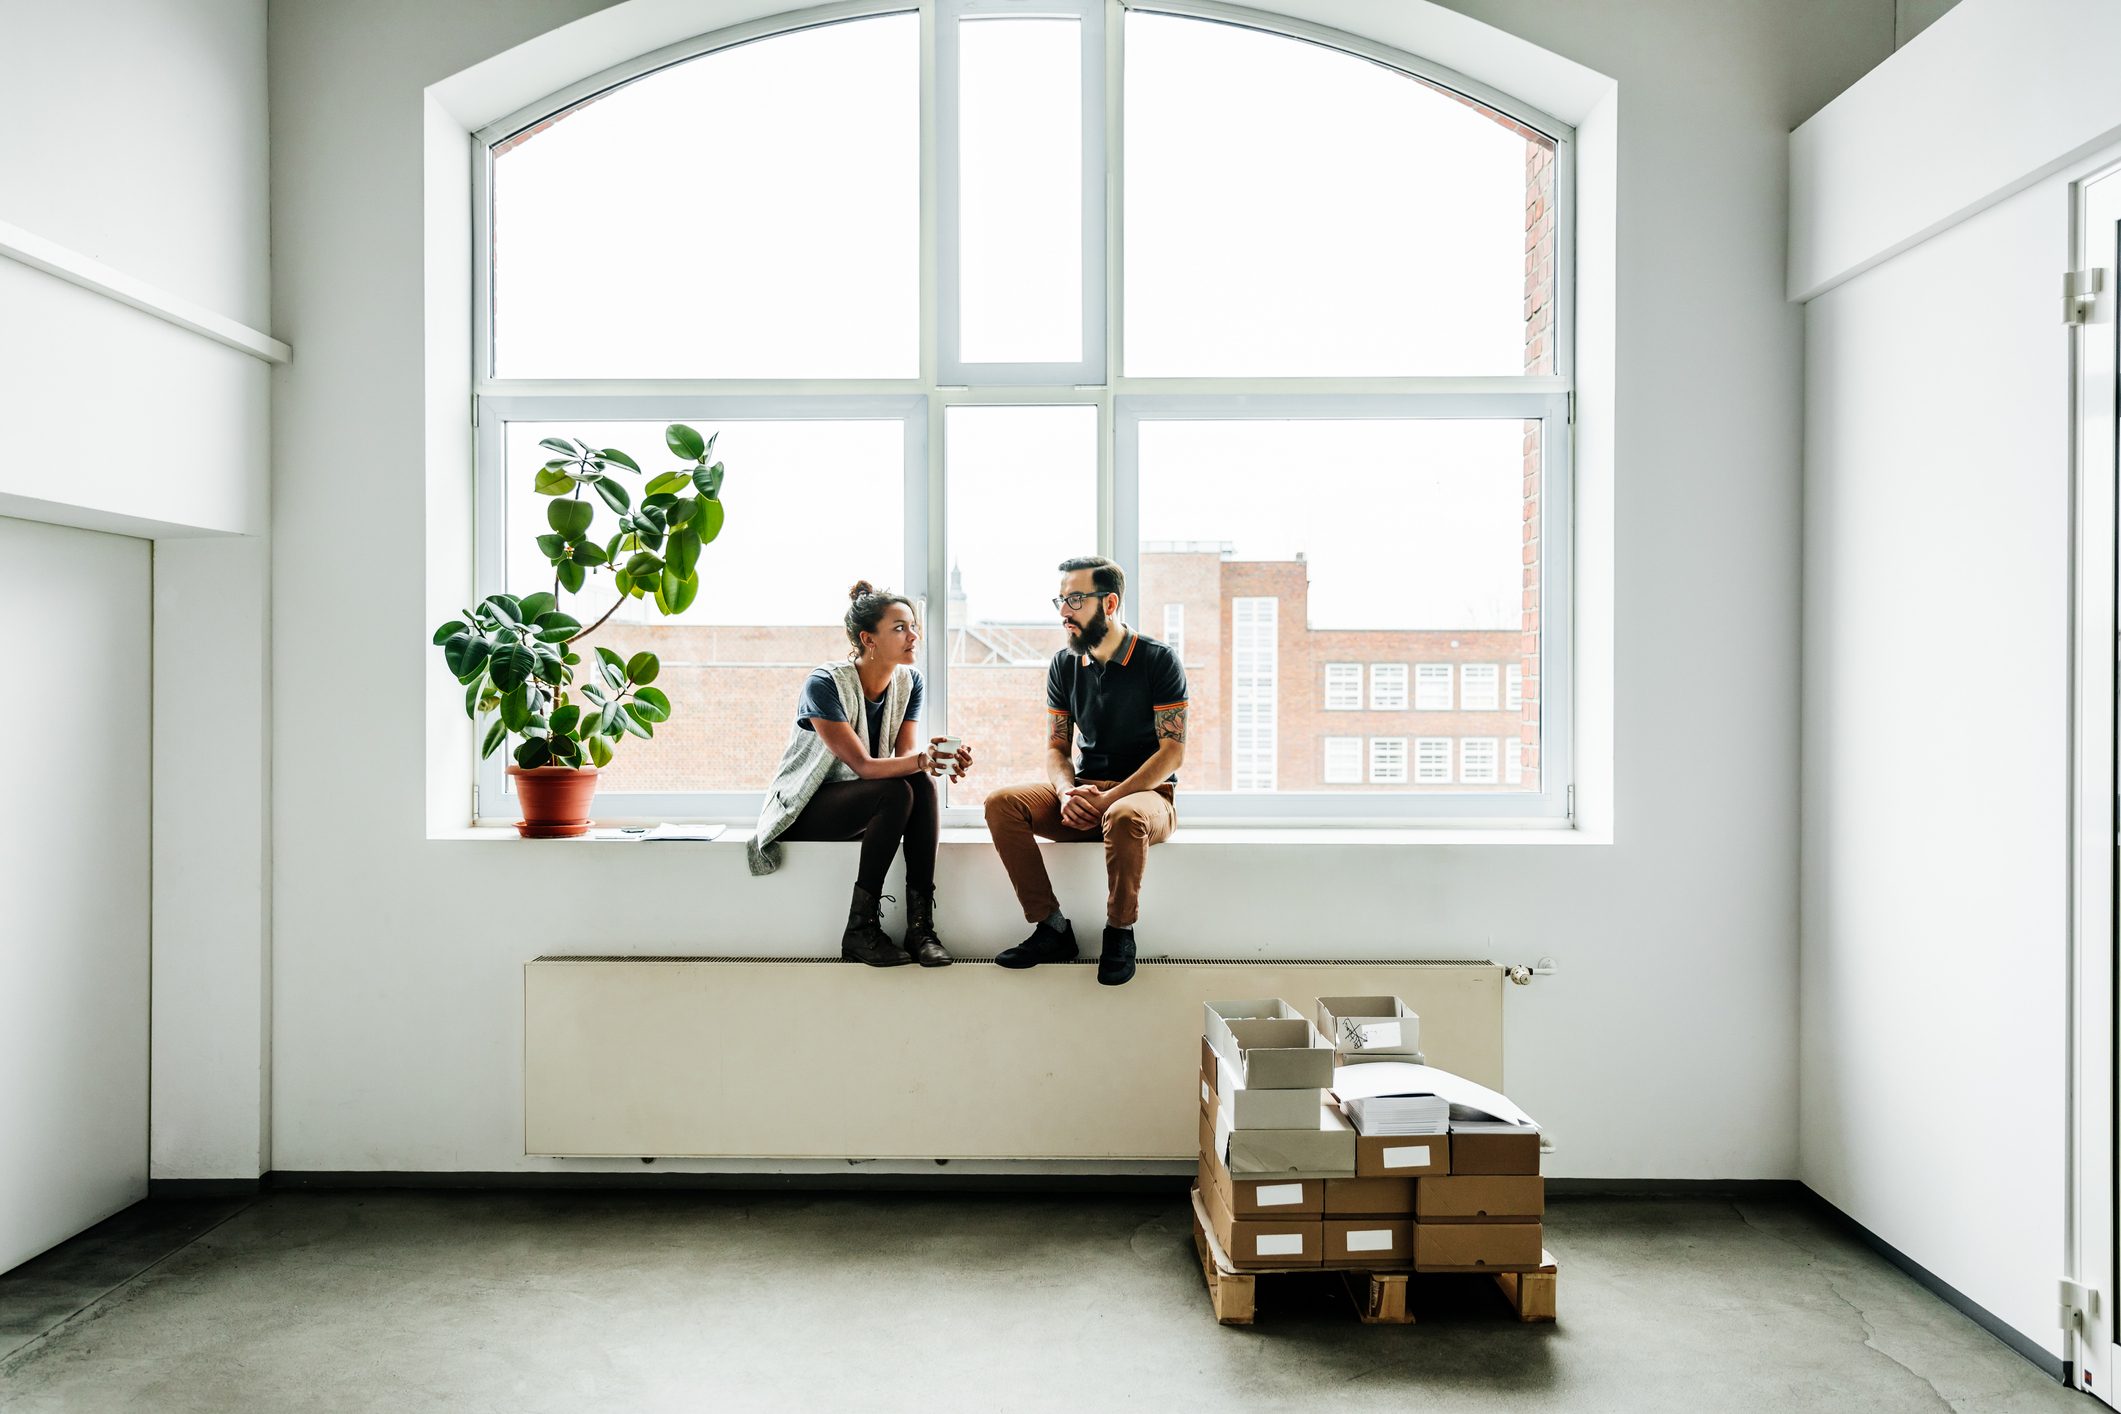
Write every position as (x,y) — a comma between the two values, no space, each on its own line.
(1044,945)
(1115,964)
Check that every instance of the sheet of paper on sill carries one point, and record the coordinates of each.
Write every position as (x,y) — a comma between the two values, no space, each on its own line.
(664,831)
(1471,1103)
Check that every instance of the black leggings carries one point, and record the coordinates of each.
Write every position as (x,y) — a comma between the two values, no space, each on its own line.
(880,814)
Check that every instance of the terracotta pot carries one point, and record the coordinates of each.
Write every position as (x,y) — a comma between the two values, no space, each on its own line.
(555,800)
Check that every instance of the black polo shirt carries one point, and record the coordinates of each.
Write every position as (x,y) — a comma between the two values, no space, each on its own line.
(1115,704)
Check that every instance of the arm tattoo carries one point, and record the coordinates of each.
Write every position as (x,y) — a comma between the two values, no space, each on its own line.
(1060,733)
(1171,724)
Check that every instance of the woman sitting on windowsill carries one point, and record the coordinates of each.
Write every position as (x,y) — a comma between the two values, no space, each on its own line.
(837,783)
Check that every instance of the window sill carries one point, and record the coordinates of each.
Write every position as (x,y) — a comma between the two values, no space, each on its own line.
(1212,836)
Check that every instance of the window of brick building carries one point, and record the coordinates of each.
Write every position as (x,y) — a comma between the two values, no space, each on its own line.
(1432,687)
(1512,762)
(954,417)
(1388,687)
(1476,760)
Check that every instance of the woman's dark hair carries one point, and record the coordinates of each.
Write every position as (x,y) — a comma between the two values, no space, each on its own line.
(1108,577)
(866,611)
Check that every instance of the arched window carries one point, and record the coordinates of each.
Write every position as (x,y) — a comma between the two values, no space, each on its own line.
(1273,316)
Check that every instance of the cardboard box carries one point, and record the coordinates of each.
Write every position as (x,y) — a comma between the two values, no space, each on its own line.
(1263,1197)
(1402,1155)
(1493,1198)
(1477,1247)
(1410,1058)
(1285,1053)
(1370,1026)
(1207,1056)
(1495,1153)
(1245,1108)
(1263,1242)
(1217,1016)
(1327,1151)
(1381,1243)
(1370,1197)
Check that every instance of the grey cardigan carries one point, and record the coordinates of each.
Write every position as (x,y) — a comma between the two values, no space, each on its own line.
(807,763)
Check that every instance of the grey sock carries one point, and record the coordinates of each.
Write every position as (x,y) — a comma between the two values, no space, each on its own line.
(1056,921)
(1111,927)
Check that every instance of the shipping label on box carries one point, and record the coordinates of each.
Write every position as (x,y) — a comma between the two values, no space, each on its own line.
(1369,1196)
(1262,1242)
(1480,1198)
(1402,1155)
(1368,1242)
(1510,1151)
(1370,1025)
(1477,1247)
(1284,1053)
(1327,1151)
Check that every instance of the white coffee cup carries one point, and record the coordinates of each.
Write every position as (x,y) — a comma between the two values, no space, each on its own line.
(944,750)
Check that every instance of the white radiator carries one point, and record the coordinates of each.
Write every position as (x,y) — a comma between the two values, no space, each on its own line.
(737,1058)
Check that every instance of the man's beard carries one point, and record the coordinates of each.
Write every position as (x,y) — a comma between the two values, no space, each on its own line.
(1091,634)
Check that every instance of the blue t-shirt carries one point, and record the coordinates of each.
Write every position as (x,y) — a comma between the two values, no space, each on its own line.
(821,698)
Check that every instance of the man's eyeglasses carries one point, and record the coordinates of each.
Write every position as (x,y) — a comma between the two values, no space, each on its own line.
(1072,602)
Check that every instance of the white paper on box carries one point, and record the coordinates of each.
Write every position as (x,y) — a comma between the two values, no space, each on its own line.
(1374,1240)
(1205,1094)
(1407,1156)
(1378,1035)
(1273,1195)
(1279,1244)
(1468,1100)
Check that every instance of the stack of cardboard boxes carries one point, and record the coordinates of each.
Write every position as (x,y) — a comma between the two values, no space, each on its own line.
(1286,1181)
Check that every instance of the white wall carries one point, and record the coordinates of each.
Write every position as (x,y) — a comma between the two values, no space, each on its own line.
(1667,1044)
(1936,790)
(148,155)
(73,872)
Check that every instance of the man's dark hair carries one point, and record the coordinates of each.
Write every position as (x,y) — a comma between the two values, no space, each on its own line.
(1108,577)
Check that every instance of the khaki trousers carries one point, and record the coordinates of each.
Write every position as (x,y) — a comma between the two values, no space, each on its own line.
(1018,815)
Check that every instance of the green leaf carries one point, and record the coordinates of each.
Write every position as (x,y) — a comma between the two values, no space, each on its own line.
(641,668)
(450,630)
(515,709)
(685,553)
(607,722)
(552,670)
(538,604)
(623,581)
(466,653)
(534,752)
(570,518)
(553,483)
(557,444)
(589,554)
(682,511)
(512,666)
(706,481)
(593,692)
(649,518)
(616,677)
(614,494)
(669,481)
(662,604)
(631,721)
(688,590)
(552,547)
(606,655)
(495,735)
(650,703)
(566,719)
(666,589)
(599,750)
(711,517)
(613,454)
(506,607)
(572,576)
(642,565)
(556,627)
(684,442)
(471,702)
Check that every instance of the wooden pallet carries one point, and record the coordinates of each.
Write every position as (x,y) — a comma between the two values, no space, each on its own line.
(1380,1297)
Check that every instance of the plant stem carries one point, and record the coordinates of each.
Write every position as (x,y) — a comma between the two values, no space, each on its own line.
(600,622)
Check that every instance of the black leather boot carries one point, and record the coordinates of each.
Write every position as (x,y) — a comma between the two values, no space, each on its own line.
(921,939)
(865,939)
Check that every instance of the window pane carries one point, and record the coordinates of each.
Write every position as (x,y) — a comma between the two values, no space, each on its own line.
(1372,223)
(1022,497)
(1398,560)
(1343,760)
(752,213)
(1020,197)
(733,663)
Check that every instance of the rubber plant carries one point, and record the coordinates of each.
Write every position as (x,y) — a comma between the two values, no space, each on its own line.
(516,656)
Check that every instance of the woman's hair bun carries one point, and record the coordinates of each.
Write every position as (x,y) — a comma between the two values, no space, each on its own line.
(861,587)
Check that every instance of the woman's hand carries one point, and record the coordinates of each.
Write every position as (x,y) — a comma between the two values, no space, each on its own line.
(963,762)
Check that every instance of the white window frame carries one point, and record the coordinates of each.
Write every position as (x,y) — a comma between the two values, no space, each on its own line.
(1490,769)
(1513,687)
(1513,761)
(1439,748)
(1354,704)
(1465,687)
(1247,778)
(1100,379)
(1175,630)
(1382,697)
(1352,774)
(1433,673)
(1388,773)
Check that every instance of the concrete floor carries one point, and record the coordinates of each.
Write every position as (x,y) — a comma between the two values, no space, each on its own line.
(414,1301)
